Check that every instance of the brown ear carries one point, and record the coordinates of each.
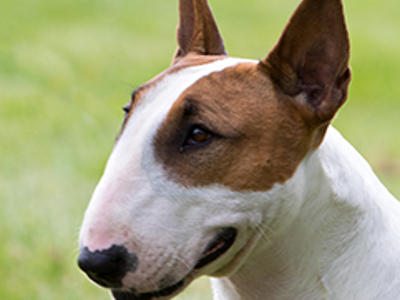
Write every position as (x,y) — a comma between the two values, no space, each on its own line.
(312,57)
(197,30)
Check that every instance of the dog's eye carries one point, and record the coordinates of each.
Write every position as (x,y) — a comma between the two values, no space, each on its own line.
(127,108)
(197,137)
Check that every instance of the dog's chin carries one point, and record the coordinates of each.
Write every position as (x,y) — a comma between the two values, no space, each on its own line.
(164,294)
(220,244)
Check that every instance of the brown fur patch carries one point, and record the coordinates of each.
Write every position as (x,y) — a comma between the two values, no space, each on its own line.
(259,138)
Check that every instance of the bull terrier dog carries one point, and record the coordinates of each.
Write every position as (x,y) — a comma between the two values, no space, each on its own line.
(230,168)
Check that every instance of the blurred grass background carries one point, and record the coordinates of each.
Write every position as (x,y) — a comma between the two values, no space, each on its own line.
(66,69)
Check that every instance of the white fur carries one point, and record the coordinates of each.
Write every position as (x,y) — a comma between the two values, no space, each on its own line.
(343,242)
(330,232)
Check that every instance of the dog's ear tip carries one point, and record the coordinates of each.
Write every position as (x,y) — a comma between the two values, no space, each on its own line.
(197,30)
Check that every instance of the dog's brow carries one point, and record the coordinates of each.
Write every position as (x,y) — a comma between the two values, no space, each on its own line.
(190,108)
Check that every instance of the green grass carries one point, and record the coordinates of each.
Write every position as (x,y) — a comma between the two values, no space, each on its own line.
(68,66)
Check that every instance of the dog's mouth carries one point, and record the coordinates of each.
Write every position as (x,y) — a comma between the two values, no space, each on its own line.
(220,244)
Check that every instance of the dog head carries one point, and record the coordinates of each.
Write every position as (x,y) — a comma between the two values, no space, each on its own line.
(210,151)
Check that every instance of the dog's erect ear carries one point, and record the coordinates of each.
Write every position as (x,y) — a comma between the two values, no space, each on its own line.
(197,30)
(311,57)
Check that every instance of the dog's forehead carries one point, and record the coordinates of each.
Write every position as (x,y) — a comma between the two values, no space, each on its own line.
(156,97)
(154,101)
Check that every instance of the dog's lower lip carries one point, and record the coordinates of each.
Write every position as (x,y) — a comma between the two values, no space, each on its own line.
(122,295)
(218,246)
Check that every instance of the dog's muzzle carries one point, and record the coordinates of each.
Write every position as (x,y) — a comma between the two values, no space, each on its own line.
(108,267)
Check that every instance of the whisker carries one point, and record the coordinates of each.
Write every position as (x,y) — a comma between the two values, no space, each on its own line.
(262,230)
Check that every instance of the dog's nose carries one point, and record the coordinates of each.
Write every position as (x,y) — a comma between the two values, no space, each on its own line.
(107,267)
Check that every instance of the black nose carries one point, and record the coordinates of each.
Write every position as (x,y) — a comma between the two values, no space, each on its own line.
(107,267)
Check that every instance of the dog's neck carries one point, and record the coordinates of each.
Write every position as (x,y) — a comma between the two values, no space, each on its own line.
(341,218)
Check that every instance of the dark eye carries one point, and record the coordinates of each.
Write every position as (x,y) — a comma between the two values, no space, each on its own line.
(127,108)
(197,137)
